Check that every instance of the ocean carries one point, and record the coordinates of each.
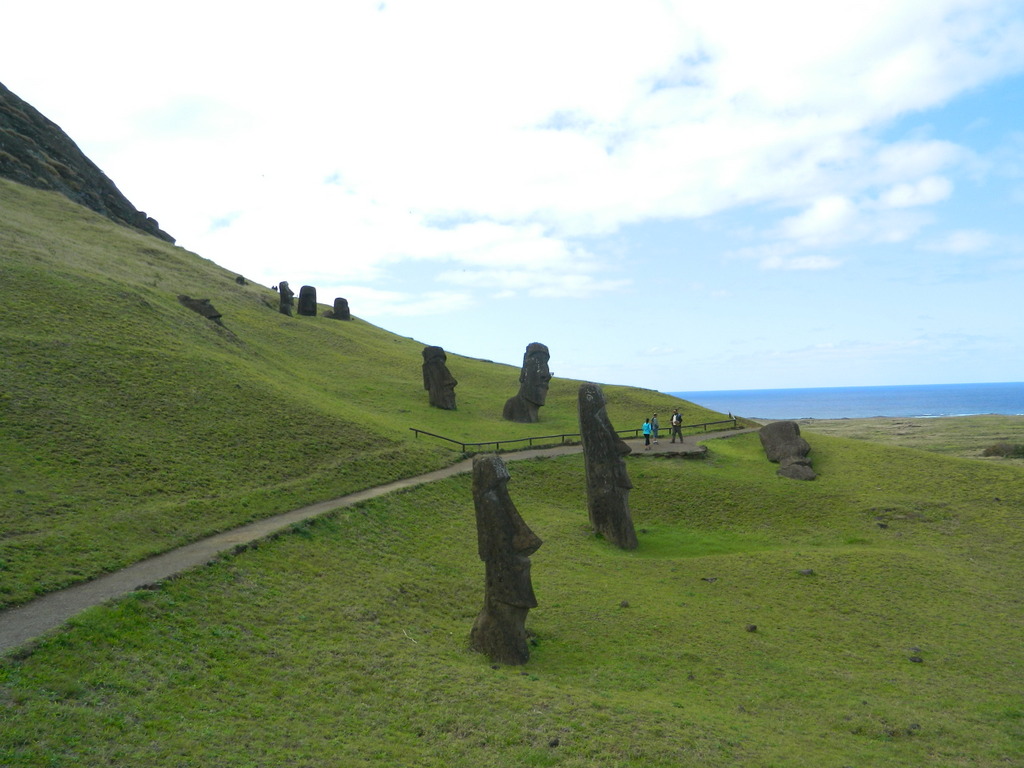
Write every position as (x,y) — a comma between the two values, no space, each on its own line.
(924,400)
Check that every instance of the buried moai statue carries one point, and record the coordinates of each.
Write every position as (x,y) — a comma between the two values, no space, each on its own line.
(608,482)
(307,301)
(287,297)
(782,444)
(437,379)
(202,306)
(533,386)
(341,310)
(505,543)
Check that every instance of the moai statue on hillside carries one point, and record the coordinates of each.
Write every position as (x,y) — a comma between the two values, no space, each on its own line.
(341,310)
(782,444)
(608,482)
(505,543)
(307,301)
(437,379)
(287,296)
(533,386)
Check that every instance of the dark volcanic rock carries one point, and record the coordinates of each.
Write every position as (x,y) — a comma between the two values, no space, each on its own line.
(34,151)
(202,306)
(782,444)
(608,483)
(307,301)
(505,543)
(437,379)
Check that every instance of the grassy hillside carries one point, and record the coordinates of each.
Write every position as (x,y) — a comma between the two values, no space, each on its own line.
(886,599)
(131,424)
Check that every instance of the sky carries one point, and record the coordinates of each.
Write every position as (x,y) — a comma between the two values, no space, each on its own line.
(680,196)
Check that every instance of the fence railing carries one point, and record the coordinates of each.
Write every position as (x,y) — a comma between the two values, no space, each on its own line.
(572,437)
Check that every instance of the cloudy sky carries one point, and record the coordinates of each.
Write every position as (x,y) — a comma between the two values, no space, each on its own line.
(675,195)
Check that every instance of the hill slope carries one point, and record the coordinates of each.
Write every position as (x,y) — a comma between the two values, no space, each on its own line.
(133,424)
(36,152)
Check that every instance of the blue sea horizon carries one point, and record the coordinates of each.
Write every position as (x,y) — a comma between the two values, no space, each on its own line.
(909,400)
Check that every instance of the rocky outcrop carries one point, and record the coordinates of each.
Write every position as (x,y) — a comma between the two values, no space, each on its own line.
(34,151)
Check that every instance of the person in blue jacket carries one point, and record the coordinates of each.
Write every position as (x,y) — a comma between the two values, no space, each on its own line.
(647,434)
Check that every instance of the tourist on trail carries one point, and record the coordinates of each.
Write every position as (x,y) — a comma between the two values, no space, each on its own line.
(647,434)
(677,426)
(654,428)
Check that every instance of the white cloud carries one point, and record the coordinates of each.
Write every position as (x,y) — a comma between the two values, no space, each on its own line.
(962,241)
(924,192)
(800,263)
(827,219)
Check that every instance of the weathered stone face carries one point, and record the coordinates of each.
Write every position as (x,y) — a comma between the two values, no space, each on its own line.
(341,310)
(608,482)
(534,378)
(505,543)
(783,444)
(287,298)
(437,379)
(307,301)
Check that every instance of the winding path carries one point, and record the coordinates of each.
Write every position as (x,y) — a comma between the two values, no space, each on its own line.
(23,623)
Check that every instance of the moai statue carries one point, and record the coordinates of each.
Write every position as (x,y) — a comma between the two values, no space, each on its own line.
(782,444)
(341,310)
(202,306)
(608,482)
(505,544)
(307,301)
(437,379)
(533,386)
(287,295)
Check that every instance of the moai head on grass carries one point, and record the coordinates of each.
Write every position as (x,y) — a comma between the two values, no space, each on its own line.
(341,310)
(287,297)
(437,379)
(534,379)
(307,301)
(505,543)
(783,444)
(608,482)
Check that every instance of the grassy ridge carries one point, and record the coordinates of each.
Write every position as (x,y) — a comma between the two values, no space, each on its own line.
(132,424)
(344,642)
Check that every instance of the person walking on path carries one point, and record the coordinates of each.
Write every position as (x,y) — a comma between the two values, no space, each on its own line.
(654,428)
(647,434)
(677,426)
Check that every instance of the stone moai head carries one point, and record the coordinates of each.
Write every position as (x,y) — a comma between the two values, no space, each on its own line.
(341,310)
(533,386)
(608,482)
(783,444)
(285,307)
(307,301)
(535,375)
(505,543)
(437,379)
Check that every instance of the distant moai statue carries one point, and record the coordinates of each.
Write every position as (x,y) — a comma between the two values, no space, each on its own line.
(782,444)
(608,482)
(341,310)
(287,294)
(437,379)
(533,386)
(505,543)
(307,301)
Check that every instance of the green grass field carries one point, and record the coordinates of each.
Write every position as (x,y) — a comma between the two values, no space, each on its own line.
(886,594)
(133,425)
